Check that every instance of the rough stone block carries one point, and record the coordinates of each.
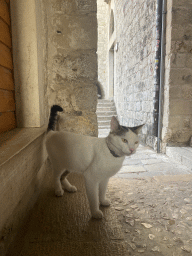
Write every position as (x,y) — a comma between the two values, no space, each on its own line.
(176,122)
(75,65)
(79,32)
(85,124)
(181,3)
(74,95)
(180,107)
(178,137)
(182,16)
(74,7)
(180,76)
(175,92)
(178,60)
(189,60)
(85,97)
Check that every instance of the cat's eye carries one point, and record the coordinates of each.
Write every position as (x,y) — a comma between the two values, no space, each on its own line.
(136,142)
(124,140)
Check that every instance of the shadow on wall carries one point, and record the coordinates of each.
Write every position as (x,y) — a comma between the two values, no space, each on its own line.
(100,91)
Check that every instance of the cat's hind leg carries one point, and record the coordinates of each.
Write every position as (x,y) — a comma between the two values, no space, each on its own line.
(57,179)
(102,193)
(66,184)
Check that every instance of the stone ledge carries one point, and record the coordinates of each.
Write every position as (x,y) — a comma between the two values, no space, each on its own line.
(22,171)
(173,178)
(182,155)
(12,142)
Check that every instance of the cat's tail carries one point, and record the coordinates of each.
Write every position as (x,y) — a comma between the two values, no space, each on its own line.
(53,116)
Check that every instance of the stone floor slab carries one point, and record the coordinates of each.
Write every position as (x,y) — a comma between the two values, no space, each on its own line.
(151,161)
(132,169)
(162,167)
(129,161)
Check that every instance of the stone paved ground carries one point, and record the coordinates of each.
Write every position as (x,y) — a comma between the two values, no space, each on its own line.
(147,163)
(152,197)
(156,215)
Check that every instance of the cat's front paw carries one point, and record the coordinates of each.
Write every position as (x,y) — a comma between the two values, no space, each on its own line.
(72,189)
(97,215)
(105,202)
(59,192)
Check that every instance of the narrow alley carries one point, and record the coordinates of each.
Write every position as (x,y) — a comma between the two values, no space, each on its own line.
(96,59)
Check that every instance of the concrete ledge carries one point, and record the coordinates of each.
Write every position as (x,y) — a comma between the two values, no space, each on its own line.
(182,155)
(12,142)
(173,178)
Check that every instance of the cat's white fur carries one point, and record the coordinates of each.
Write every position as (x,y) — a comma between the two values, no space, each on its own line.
(91,157)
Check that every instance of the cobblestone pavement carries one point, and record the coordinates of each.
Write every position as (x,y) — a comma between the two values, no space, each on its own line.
(152,197)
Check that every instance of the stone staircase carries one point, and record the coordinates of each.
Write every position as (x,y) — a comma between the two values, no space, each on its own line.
(105,110)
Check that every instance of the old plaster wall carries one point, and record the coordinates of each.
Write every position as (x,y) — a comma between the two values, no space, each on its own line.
(177,121)
(72,62)
(134,87)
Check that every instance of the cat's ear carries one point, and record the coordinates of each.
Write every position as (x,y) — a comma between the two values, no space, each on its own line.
(114,124)
(137,129)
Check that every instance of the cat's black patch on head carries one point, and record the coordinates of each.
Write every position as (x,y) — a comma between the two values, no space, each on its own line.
(133,129)
(136,128)
(120,131)
(126,128)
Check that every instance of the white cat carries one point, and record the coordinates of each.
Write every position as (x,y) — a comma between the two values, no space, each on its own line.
(96,158)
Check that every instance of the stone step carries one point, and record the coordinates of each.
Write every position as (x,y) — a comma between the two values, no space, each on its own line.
(105,130)
(102,135)
(100,105)
(104,118)
(182,155)
(106,113)
(103,127)
(104,101)
(104,123)
(106,109)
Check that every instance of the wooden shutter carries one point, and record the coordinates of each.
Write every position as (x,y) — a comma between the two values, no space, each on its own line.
(7,93)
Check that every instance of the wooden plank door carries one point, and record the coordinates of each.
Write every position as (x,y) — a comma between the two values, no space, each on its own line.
(7,93)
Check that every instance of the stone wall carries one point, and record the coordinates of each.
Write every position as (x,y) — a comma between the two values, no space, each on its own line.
(177,121)
(134,88)
(72,62)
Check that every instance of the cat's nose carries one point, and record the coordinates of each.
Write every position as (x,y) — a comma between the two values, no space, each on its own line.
(131,149)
